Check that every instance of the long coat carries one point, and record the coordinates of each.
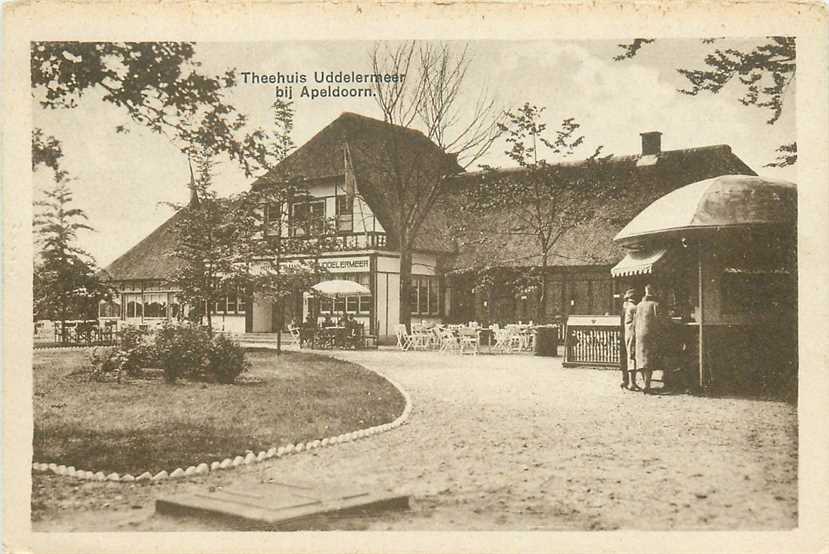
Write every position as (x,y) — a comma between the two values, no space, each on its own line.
(649,326)
(628,333)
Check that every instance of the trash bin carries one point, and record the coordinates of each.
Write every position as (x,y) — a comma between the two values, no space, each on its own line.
(546,340)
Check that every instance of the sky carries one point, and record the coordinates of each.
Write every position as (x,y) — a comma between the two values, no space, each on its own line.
(124,182)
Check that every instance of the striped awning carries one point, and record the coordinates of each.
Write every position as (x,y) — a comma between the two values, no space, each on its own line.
(639,262)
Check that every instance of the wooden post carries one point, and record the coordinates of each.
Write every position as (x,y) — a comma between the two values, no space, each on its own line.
(372,285)
(700,345)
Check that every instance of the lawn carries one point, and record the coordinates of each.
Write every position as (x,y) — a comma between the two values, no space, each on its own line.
(147,425)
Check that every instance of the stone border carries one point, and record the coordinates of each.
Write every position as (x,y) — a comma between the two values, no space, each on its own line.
(228,463)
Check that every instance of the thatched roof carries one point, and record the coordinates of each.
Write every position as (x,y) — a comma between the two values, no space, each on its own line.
(380,153)
(643,180)
(152,258)
(638,182)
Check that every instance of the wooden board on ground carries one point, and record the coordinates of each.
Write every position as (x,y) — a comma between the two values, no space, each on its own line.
(280,505)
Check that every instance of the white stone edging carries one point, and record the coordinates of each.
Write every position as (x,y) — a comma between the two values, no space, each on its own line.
(64,348)
(228,463)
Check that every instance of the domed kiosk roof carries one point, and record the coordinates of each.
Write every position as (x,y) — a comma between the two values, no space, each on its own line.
(725,201)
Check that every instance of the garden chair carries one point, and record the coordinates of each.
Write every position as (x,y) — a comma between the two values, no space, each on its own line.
(448,341)
(421,338)
(515,338)
(296,335)
(404,339)
(353,337)
(502,339)
(528,336)
(326,338)
(437,336)
(468,339)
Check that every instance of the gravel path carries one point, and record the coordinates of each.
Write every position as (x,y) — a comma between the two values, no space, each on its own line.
(517,442)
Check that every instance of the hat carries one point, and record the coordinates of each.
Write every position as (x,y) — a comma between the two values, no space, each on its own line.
(630,293)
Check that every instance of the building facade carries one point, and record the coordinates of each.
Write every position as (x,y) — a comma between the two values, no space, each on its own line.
(351,193)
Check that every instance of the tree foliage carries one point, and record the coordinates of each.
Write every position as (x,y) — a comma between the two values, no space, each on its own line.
(540,202)
(205,242)
(158,84)
(46,150)
(66,284)
(764,73)
(277,262)
(240,245)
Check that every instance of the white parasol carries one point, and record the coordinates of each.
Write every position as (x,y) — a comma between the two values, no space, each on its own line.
(340,287)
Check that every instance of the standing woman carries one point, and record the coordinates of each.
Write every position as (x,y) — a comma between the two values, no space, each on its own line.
(628,358)
(649,329)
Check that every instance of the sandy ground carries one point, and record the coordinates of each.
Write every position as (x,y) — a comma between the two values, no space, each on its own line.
(516,443)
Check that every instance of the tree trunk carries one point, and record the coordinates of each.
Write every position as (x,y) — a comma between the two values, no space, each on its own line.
(540,313)
(405,316)
(280,321)
(490,305)
(63,323)
(209,319)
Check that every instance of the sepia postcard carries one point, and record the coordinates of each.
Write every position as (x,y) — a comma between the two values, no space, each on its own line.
(415,277)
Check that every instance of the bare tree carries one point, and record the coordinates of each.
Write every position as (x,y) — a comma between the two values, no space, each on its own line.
(429,98)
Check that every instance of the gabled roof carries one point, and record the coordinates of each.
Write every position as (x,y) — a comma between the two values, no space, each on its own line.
(152,258)
(320,158)
(640,181)
(643,180)
(374,146)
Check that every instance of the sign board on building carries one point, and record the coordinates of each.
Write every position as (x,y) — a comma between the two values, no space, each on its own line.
(358,264)
(353,264)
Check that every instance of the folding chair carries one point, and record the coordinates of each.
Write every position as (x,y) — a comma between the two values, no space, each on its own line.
(448,341)
(421,337)
(502,340)
(514,340)
(404,339)
(295,335)
(469,340)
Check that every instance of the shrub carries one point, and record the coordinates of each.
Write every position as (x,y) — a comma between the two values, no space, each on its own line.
(106,363)
(182,351)
(226,360)
(136,350)
(131,337)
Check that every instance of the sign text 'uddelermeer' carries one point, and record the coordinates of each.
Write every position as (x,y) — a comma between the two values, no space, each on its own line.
(345,265)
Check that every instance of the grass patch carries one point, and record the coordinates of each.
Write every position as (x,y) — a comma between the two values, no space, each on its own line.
(147,425)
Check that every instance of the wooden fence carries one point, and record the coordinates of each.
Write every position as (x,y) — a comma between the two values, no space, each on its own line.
(592,341)
(76,333)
